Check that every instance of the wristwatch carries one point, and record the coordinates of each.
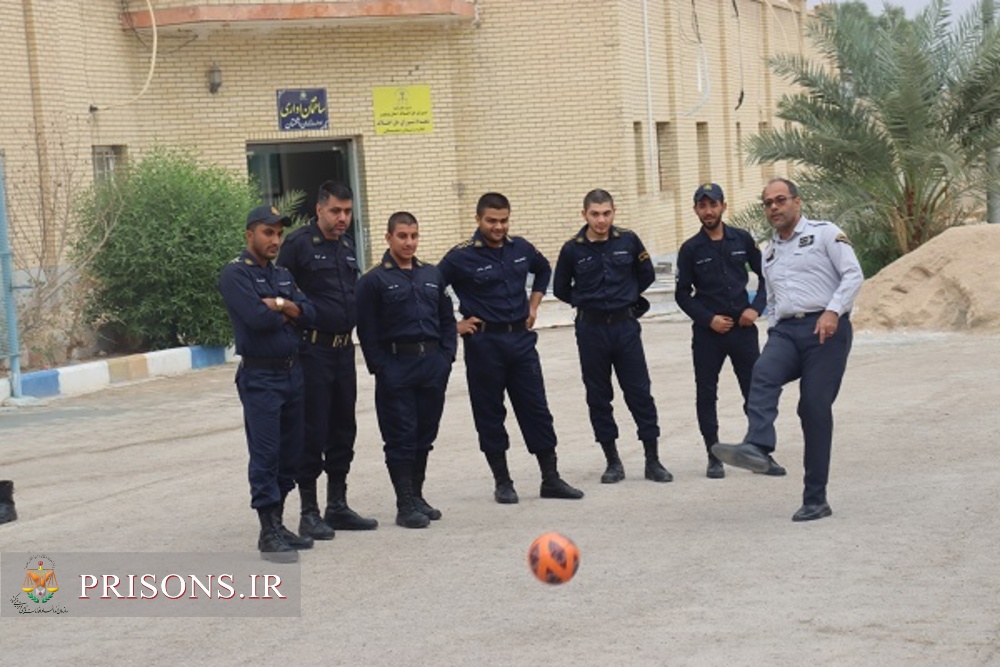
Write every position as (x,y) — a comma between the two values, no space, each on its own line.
(280,303)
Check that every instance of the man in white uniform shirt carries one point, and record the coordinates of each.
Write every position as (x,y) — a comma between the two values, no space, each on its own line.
(813,277)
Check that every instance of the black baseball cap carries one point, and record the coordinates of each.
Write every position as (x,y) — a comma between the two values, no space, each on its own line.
(267,215)
(710,190)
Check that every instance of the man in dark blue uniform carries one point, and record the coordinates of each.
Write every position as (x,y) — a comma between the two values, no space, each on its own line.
(406,325)
(601,272)
(265,306)
(489,273)
(813,277)
(713,264)
(322,260)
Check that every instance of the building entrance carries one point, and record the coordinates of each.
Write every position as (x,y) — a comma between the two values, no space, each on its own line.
(283,167)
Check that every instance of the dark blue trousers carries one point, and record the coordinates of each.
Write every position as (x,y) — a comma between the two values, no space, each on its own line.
(793,352)
(709,351)
(507,362)
(273,419)
(618,347)
(409,401)
(331,386)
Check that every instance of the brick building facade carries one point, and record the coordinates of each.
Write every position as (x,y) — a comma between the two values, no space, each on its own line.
(539,99)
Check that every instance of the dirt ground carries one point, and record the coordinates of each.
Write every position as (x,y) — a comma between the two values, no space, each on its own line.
(696,572)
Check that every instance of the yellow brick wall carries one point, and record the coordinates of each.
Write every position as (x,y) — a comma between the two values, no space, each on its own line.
(538,100)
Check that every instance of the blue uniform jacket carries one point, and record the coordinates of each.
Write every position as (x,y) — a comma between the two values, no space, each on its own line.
(717,273)
(327,272)
(398,306)
(607,275)
(490,282)
(258,330)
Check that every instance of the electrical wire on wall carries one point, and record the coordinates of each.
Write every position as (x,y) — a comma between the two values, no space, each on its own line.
(704,83)
(739,50)
(149,76)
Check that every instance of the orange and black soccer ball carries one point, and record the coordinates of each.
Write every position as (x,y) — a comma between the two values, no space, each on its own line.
(553,558)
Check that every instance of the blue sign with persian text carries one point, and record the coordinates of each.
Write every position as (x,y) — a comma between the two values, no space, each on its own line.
(302,109)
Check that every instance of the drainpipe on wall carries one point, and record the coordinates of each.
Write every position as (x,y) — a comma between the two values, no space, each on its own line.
(7,284)
(650,120)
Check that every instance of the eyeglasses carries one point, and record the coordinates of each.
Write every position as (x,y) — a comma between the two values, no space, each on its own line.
(780,200)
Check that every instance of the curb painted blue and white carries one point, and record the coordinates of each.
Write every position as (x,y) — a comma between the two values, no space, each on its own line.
(96,375)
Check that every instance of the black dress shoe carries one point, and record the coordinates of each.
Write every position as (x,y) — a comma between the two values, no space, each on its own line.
(614,473)
(715,469)
(776,470)
(743,455)
(812,512)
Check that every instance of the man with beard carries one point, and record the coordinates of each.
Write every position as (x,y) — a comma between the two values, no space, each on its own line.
(322,259)
(265,306)
(712,289)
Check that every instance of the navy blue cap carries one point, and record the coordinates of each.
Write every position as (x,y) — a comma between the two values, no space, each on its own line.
(710,190)
(268,215)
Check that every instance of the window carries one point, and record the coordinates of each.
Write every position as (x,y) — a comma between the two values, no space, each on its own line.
(766,168)
(640,159)
(740,161)
(666,147)
(704,159)
(107,161)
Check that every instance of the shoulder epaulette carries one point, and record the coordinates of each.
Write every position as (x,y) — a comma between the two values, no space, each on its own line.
(464,244)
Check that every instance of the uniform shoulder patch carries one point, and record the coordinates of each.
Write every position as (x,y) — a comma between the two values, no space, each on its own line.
(248,262)
(842,238)
(464,244)
(643,256)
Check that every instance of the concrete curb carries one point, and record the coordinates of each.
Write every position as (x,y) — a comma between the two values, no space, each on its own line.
(96,375)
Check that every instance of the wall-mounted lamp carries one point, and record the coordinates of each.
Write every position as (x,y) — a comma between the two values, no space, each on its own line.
(214,79)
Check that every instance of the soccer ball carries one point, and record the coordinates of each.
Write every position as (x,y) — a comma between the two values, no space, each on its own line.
(553,558)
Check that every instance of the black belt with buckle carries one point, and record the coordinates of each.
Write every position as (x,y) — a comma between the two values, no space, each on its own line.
(800,316)
(325,339)
(412,349)
(605,316)
(269,363)
(502,327)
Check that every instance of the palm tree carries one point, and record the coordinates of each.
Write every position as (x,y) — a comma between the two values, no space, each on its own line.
(892,131)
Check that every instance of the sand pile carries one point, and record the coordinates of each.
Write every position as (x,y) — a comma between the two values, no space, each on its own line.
(951,283)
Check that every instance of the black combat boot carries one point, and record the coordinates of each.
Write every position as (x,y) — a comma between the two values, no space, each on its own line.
(311,524)
(553,485)
(338,515)
(407,514)
(715,469)
(419,473)
(7,511)
(294,541)
(504,492)
(272,544)
(654,469)
(615,471)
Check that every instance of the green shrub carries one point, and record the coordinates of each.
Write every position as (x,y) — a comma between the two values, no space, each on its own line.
(153,241)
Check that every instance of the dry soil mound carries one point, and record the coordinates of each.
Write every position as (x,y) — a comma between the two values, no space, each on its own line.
(951,283)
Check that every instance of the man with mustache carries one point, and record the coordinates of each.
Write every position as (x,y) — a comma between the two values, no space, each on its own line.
(711,288)
(265,306)
(322,259)
(813,277)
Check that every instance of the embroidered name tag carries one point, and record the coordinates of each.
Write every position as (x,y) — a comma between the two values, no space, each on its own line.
(806,240)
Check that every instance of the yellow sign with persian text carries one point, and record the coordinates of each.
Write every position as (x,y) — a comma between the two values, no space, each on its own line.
(402,110)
